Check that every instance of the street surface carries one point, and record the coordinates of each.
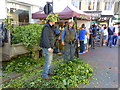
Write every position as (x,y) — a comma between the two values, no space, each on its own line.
(104,61)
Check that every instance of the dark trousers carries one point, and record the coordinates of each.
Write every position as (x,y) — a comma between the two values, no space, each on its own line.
(93,42)
(81,46)
(69,51)
(114,41)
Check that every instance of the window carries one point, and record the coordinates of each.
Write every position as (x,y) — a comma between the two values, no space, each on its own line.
(80,5)
(93,6)
(89,6)
(98,5)
(108,5)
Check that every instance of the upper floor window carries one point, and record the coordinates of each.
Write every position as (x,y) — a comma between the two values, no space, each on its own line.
(108,5)
(98,5)
(74,3)
(80,5)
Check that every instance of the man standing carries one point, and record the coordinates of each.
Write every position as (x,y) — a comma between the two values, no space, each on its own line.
(47,41)
(68,40)
(111,31)
(93,31)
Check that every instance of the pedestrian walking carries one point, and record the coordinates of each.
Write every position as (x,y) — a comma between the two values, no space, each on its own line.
(115,36)
(68,40)
(82,38)
(47,41)
(105,35)
(111,30)
(119,38)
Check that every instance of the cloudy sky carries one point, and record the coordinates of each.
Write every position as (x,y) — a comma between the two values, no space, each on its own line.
(59,5)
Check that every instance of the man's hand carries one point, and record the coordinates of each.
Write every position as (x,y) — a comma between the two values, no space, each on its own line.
(63,43)
(50,50)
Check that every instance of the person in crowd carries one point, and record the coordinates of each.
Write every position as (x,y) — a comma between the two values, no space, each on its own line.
(101,29)
(93,31)
(47,41)
(86,41)
(57,34)
(115,36)
(85,44)
(2,35)
(81,38)
(105,35)
(119,38)
(111,30)
(68,40)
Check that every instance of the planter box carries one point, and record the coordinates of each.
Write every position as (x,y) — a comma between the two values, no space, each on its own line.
(10,51)
(13,50)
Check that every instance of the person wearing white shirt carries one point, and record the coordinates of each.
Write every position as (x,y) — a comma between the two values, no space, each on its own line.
(105,35)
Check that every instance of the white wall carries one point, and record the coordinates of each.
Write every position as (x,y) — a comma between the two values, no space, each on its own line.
(32,2)
(80,22)
(33,9)
(3,11)
(59,5)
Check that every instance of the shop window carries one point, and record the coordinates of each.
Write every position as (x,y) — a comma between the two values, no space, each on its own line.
(23,17)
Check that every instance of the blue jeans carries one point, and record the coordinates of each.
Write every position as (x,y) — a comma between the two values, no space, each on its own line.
(110,38)
(48,60)
(69,51)
(82,46)
(114,41)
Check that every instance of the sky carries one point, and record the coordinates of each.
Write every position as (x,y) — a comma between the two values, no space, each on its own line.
(59,5)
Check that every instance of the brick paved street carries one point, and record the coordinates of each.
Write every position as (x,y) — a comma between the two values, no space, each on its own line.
(104,61)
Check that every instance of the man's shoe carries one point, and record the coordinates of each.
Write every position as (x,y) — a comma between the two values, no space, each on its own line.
(47,78)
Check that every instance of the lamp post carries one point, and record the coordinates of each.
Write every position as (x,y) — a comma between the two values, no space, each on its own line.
(48,8)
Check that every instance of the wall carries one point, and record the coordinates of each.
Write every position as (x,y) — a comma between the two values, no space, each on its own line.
(2,9)
(80,22)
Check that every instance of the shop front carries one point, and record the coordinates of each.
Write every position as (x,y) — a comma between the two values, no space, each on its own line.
(18,13)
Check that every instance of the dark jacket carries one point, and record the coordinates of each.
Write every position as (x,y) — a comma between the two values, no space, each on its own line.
(47,39)
(93,30)
(111,30)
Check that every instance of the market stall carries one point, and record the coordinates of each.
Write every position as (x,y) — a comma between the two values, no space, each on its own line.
(67,13)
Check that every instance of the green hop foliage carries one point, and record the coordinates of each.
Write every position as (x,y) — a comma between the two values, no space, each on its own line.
(52,17)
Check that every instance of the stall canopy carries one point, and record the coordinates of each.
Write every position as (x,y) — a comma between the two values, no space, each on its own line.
(39,15)
(70,12)
(67,13)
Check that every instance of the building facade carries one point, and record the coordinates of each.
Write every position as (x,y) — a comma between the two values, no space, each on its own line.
(101,11)
(19,11)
